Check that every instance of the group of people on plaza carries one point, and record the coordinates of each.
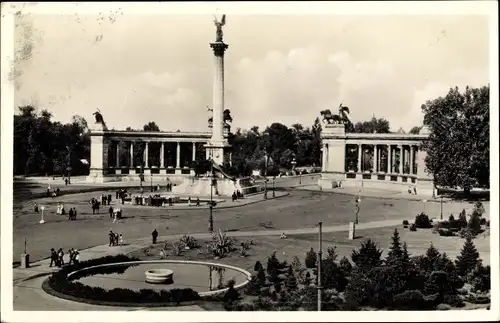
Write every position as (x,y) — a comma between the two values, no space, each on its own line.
(122,194)
(53,193)
(115,239)
(60,211)
(95,205)
(237,195)
(115,213)
(57,257)
(106,199)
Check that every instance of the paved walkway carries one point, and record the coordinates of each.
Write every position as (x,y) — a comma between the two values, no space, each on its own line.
(376,193)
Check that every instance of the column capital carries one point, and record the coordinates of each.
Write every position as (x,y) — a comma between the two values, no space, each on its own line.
(219,48)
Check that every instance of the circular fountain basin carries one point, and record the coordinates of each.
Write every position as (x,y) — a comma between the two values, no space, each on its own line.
(159,276)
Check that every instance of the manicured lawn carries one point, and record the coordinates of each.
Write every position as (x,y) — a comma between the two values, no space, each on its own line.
(298,245)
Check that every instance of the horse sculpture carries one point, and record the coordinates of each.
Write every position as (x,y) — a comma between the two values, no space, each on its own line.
(342,117)
(330,118)
(99,119)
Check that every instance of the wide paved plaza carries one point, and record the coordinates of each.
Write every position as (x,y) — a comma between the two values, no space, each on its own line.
(300,209)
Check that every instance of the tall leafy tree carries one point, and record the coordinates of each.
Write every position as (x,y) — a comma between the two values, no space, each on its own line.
(374,125)
(151,126)
(458,146)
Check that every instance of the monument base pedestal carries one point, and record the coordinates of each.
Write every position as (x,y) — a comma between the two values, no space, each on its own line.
(25,260)
(218,152)
(352,231)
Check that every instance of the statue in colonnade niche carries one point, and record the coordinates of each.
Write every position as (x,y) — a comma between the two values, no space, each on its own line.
(226,118)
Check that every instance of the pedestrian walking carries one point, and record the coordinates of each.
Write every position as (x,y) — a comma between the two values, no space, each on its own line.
(35,208)
(53,257)
(76,257)
(60,256)
(120,239)
(154,235)
(110,210)
(111,237)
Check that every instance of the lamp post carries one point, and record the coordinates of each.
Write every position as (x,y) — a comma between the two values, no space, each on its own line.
(151,177)
(42,208)
(210,216)
(265,176)
(320,257)
(274,180)
(68,163)
(357,209)
(441,198)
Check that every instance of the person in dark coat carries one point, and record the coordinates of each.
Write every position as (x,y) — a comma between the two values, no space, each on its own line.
(154,235)
(53,257)
(70,214)
(111,238)
(110,210)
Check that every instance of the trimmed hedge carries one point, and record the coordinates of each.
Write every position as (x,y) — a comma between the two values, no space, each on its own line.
(60,283)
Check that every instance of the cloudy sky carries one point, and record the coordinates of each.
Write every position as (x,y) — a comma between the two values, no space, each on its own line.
(278,68)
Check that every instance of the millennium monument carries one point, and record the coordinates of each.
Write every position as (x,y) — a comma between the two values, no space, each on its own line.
(169,156)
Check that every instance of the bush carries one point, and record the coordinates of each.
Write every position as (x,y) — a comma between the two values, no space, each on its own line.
(445,233)
(413,227)
(443,307)
(189,242)
(474,224)
(488,223)
(405,222)
(482,221)
(311,259)
(422,221)
(453,300)
(412,300)
(451,218)
(478,299)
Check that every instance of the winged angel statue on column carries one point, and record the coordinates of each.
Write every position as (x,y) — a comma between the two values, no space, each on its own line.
(218,25)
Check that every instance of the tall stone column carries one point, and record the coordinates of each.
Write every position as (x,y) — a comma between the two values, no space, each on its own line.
(117,154)
(178,156)
(162,155)
(411,159)
(217,144)
(389,159)
(375,158)
(131,154)
(146,155)
(194,152)
(360,148)
(400,159)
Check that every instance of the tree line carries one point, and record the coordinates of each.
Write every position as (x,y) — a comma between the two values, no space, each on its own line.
(457,149)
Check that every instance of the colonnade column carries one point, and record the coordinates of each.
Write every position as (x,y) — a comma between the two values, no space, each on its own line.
(194,151)
(411,159)
(117,154)
(131,154)
(178,156)
(400,159)
(375,158)
(162,155)
(359,157)
(146,154)
(389,159)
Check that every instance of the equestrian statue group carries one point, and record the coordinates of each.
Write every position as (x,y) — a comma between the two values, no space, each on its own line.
(341,118)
